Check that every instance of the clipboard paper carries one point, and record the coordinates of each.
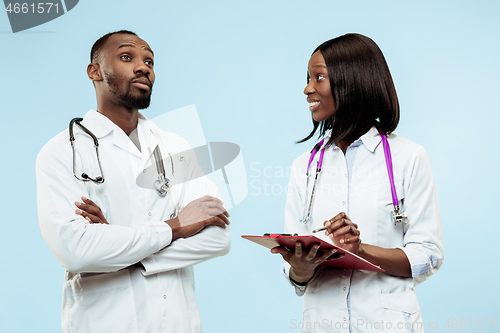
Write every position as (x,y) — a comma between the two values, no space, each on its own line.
(350,260)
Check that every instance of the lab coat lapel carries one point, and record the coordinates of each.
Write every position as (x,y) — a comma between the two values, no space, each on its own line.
(98,124)
(121,140)
(101,126)
(146,136)
(371,139)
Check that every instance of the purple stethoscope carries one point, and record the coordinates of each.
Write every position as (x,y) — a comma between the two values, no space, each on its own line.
(397,214)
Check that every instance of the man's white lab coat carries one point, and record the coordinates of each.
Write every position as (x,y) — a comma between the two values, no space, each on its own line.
(102,292)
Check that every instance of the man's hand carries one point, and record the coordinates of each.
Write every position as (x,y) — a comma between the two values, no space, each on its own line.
(197,215)
(202,209)
(90,211)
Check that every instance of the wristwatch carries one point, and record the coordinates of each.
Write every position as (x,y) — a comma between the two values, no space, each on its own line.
(299,285)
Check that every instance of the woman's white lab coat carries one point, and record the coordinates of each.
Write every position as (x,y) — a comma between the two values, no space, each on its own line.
(337,300)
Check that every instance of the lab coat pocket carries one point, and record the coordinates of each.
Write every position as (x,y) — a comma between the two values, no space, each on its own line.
(191,306)
(319,320)
(384,194)
(401,311)
(95,299)
(309,318)
(405,301)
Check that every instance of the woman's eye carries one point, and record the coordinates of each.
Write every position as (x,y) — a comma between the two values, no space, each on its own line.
(320,77)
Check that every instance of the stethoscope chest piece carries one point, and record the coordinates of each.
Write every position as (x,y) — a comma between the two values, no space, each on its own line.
(399,216)
(162,185)
(305,220)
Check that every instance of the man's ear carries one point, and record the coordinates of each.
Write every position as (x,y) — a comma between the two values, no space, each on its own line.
(94,72)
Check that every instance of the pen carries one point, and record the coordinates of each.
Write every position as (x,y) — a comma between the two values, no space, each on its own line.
(318,230)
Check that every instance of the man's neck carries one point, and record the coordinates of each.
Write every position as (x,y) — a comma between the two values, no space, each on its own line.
(122,117)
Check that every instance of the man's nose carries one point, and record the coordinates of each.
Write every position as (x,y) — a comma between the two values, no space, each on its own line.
(142,68)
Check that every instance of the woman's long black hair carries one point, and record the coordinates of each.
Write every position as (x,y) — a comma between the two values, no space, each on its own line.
(362,89)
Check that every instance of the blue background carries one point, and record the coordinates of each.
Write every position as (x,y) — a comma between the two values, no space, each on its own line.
(244,66)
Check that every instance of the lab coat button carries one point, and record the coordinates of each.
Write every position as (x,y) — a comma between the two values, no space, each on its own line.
(144,171)
(344,288)
(345,175)
(345,319)
(164,296)
(343,202)
(149,214)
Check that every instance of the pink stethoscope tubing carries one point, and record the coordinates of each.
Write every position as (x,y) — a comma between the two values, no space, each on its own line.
(397,214)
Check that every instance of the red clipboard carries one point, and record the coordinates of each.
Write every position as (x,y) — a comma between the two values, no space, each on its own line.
(350,260)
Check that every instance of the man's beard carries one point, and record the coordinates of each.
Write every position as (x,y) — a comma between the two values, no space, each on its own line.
(129,100)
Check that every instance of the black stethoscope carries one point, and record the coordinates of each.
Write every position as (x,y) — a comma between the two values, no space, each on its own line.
(162,184)
(398,215)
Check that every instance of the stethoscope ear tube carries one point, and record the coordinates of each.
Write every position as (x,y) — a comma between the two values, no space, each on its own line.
(390,171)
(307,207)
(71,124)
(398,215)
(84,177)
(85,129)
(162,185)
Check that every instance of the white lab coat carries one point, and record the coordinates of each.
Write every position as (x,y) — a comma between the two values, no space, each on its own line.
(376,299)
(102,292)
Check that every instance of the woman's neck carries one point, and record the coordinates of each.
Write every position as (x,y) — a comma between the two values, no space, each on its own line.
(344,144)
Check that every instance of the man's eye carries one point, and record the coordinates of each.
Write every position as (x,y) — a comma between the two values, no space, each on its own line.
(125,56)
(149,62)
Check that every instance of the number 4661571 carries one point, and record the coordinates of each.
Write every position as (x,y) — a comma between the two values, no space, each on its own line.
(463,324)
(25,8)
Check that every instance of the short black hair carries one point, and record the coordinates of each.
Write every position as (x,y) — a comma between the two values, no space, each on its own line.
(95,52)
(362,89)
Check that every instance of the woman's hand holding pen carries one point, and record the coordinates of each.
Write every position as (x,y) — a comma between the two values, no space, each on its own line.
(343,232)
